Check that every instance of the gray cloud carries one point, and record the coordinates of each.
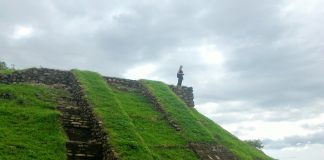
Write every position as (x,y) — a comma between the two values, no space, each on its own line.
(295,141)
(226,113)
(272,51)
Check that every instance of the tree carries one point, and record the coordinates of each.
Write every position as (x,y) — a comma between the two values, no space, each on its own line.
(3,65)
(255,143)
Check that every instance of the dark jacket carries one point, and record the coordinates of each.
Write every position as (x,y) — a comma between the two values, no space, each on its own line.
(180,74)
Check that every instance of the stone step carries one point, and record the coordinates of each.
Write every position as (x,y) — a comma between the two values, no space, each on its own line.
(77,124)
(77,150)
(212,151)
(75,114)
(75,118)
(68,108)
(71,110)
(78,133)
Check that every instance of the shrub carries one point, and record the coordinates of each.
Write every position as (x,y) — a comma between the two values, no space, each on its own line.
(255,143)
(3,65)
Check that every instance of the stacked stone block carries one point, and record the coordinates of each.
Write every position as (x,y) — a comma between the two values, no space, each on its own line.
(185,93)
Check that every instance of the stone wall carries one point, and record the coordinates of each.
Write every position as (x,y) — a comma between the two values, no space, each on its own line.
(123,82)
(66,78)
(185,93)
(35,75)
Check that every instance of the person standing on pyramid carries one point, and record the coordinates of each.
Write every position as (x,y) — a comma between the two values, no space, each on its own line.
(180,76)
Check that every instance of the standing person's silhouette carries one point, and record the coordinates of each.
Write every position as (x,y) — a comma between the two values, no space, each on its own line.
(180,76)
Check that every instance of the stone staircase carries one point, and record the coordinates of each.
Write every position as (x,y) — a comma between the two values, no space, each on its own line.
(82,144)
(87,138)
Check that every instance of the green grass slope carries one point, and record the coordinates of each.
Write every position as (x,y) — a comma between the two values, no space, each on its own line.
(137,131)
(126,140)
(162,139)
(198,128)
(29,124)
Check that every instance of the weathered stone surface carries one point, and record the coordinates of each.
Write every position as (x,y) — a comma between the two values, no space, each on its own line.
(83,150)
(185,93)
(210,151)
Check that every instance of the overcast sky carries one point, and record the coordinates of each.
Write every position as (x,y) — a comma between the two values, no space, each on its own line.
(256,65)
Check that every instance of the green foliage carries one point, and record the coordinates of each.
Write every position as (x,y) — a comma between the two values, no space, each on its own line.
(6,71)
(3,65)
(197,127)
(29,124)
(255,143)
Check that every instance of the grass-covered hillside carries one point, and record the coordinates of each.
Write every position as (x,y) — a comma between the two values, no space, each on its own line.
(139,121)
(199,128)
(29,124)
(136,129)
(135,126)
